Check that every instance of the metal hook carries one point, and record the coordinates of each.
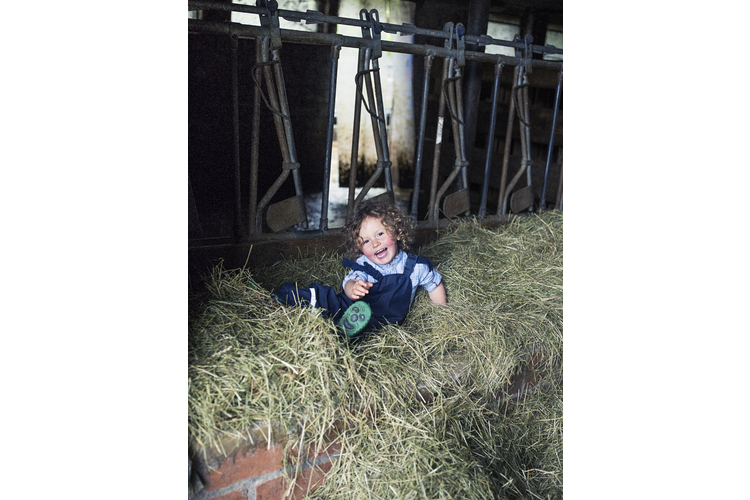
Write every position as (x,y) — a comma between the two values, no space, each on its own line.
(375,20)
(527,41)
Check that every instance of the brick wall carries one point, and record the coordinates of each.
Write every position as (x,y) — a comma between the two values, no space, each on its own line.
(257,473)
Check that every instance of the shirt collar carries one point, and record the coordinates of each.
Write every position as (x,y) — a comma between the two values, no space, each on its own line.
(400,256)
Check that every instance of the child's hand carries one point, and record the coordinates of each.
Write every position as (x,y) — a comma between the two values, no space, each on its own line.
(357,289)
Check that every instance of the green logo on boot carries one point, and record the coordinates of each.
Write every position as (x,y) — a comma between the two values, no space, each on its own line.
(355,318)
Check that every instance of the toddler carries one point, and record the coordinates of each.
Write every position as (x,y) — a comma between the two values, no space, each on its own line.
(383,280)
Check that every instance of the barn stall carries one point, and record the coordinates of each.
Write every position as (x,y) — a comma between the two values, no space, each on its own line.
(463,400)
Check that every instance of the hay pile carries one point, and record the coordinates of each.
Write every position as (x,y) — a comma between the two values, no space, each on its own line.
(421,410)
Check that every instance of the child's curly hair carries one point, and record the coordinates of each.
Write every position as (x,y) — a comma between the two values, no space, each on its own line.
(396,222)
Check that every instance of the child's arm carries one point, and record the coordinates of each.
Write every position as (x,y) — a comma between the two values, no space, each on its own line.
(356,289)
(438,295)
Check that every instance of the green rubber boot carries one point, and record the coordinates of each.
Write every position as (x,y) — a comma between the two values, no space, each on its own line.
(355,318)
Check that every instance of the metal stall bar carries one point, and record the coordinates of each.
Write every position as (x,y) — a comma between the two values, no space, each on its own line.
(294,36)
(447,52)
(543,201)
(431,209)
(508,145)
(375,108)
(355,133)
(420,144)
(335,51)
(292,211)
(273,106)
(490,140)
(316,17)
(457,202)
(524,197)
(286,213)
(382,124)
(255,227)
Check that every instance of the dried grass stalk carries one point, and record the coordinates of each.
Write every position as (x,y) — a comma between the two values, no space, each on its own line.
(415,407)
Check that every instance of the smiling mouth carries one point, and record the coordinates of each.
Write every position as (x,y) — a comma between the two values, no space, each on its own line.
(380,253)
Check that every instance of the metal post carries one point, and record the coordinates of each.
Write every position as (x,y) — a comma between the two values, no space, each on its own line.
(374,108)
(527,119)
(287,121)
(420,144)
(335,50)
(432,209)
(382,127)
(271,91)
(254,151)
(355,136)
(508,143)
(525,132)
(490,141)
(542,203)
(459,99)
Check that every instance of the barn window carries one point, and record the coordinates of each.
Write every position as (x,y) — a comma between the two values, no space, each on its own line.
(554,37)
(501,31)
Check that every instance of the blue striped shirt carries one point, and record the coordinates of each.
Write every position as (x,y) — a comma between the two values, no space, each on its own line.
(421,276)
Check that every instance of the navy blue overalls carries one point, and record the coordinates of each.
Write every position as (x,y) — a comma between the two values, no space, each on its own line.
(389,298)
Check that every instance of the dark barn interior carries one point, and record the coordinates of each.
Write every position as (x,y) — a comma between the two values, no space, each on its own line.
(240,190)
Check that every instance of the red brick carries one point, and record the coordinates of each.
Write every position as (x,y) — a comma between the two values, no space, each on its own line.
(245,466)
(235,495)
(271,490)
(275,489)
(317,473)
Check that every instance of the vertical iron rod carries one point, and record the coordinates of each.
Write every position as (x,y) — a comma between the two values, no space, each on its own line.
(254,151)
(373,106)
(508,144)
(432,209)
(461,144)
(490,141)
(355,136)
(527,127)
(420,145)
(287,121)
(522,129)
(329,136)
(542,203)
(382,125)
(271,90)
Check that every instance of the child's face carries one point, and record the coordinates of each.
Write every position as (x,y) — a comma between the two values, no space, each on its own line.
(377,244)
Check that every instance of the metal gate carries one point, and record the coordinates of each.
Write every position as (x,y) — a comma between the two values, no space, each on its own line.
(449,196)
